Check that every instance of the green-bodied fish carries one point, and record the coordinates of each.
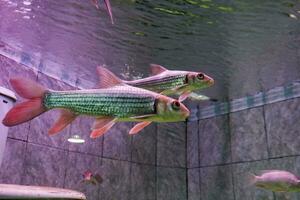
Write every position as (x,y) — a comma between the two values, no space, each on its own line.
(114,101)
(169,82)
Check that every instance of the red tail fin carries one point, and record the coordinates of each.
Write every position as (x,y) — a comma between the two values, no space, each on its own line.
(27,88)
(30,109)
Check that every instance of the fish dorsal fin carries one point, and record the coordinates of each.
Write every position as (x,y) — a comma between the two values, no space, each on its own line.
(157,69)
(107,78)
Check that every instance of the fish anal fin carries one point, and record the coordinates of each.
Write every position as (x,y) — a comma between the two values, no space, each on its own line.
(107,78)
(183,96)
(138,127)
(101,126)
(66,117)
(251,179)
(157,69)
(101,121)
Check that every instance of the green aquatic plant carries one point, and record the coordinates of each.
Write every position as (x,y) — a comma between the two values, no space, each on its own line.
(225,8)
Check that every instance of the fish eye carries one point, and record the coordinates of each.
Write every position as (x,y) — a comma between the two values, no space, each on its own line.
(175,105)
(200,76)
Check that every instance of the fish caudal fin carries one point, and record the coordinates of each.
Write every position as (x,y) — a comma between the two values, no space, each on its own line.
(27,89)
(64,120)
(24,112)
(30,109)
(250,179)
(138,127)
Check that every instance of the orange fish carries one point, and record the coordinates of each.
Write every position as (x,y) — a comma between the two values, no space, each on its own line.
(90,178)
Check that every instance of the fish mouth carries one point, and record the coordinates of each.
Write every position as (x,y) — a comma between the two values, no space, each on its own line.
(186,113)
(210,81)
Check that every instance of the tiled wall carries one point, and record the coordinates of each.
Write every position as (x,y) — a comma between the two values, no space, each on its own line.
(148,166)
(222,150)
(207,159)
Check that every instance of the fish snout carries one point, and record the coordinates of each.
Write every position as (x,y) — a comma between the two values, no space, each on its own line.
(210,80)
(185,111)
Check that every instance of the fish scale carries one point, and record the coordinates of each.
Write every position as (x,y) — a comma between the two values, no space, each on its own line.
(103,102)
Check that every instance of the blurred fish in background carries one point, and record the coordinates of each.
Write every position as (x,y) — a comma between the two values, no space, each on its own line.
(276,181)
(108,7)
(90,178)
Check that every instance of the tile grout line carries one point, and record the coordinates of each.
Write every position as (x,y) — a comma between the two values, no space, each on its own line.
(186,163)
(231,156)
(249,161)
(155,164)
(266,131)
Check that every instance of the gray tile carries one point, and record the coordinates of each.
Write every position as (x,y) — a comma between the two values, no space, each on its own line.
(142,183)
(194,184)
(116,180)
(10,69)
(117,142)
(282,121)
(216,183)
(12,166)
(44,166)
(192,144)
(242,187)
(214,141)
(171,184)
(144,145)
(39,126)
(171,144)
(82,127)
(193,108)
(248,136)
(79,163)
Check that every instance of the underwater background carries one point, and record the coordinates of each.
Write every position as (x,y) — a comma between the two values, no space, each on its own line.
(250,48)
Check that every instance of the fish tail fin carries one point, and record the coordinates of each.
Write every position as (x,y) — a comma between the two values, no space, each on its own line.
(27,110)
(251,179)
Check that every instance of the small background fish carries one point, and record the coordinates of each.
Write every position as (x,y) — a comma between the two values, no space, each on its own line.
(276,181)
(90,178)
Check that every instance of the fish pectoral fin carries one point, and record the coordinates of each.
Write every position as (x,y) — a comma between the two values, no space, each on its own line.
(107,78)
(66,117)
(143,116)
(200,97)
(101,126)
(183,96)
(157,69)
(138,127)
